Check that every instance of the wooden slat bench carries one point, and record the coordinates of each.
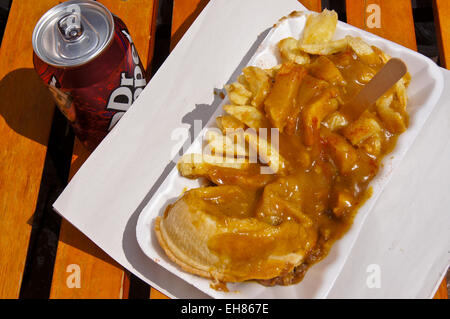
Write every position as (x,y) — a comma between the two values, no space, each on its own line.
(26,118)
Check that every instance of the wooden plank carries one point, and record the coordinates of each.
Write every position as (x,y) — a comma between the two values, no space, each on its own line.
(397,25)
(185,12)
(442,292)
(396,19)
(313,5)
(101,276)
(441,10)
(26,112)
(156,294)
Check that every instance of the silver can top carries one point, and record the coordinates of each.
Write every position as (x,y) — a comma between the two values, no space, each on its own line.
(73,33)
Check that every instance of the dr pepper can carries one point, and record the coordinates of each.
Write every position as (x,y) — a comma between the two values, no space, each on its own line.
(86,57)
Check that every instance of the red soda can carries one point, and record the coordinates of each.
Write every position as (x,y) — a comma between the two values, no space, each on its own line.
(86,57)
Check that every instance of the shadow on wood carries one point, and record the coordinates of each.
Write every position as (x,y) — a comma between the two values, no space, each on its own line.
(181,30)
(26,105)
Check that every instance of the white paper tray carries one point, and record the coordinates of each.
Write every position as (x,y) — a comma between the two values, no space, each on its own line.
(424,92)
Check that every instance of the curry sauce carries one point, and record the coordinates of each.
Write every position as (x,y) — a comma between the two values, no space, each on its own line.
(328,161)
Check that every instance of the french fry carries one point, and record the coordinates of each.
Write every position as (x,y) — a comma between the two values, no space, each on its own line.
(407,79)
(228,123)
(238,94)
(391,119)
(195,165)
(331,47)
(249,115)
(381,54)
(273,71)
(324,69)
(367,73)
(267,152)
(341,202)
(363,50)
(335,121)
(361,129)
(343,154)
(280,101)
(320,28)
(290,51)
(372,145)
(258,83)
(225,145)
(313,114)
(309,88)
(400,91)
(237,173)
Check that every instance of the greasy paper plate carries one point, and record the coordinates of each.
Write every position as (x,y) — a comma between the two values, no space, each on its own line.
(424,91)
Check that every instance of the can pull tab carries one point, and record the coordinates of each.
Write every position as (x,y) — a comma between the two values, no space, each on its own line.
(70,24)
